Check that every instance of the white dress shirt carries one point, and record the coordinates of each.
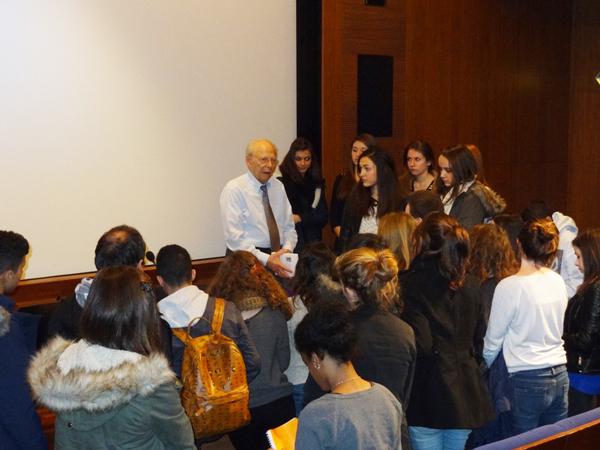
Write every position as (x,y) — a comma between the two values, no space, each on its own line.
(243,216)
(526,321)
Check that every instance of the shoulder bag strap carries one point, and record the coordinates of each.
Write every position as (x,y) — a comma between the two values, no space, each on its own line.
(218,315)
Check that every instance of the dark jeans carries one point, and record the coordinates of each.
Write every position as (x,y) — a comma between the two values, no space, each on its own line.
(539,397)
(580,402)
(254,435)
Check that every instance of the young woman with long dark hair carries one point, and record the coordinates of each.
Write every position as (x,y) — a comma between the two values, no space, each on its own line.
(464,196)
(582,326)
(113,388)
(376,195)
(305,189)
(345,182)
(442,304)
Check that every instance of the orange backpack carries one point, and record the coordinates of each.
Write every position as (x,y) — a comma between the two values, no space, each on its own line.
(215,392)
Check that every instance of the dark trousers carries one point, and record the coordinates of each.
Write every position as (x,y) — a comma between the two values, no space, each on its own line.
(254,435)
(580,402)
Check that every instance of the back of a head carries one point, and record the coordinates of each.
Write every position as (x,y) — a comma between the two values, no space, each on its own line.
(13,249)
(397,229)
(120,246)
(120,312)
(174,265)
(327,328)
(536,209)
(372,274)
(369,240)
(422,203)
(512,224)
(539,241)
(588,243)
(441,236)
(491,253)
(241,275)
(315,261)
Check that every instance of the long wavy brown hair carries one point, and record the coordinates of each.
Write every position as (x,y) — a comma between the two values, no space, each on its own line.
(492,255)
(588,243)
(241,275)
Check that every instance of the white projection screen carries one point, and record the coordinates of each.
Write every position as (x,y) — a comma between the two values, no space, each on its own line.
(135,112)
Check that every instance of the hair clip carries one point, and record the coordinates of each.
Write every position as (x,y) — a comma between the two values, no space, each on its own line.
(146,287)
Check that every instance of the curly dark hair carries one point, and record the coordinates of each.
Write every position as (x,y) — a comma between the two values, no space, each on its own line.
(241,274)
(327,328)
(491,253)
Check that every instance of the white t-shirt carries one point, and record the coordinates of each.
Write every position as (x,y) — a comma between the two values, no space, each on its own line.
(526,321)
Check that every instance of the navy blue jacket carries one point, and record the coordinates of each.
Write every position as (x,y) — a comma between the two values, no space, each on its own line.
(20,427)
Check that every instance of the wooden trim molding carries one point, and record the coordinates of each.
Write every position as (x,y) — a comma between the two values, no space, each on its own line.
(40,291)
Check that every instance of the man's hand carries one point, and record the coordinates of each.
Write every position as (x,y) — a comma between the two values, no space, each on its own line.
(277,267)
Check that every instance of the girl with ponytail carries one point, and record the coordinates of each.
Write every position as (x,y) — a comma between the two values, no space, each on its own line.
(442,305)
(385,348)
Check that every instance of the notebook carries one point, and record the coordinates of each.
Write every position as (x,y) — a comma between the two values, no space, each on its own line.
(284,436)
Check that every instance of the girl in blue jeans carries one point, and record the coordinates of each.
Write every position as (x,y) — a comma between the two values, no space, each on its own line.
(526,322)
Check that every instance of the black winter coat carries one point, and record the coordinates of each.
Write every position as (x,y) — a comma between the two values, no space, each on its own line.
(582,331)
(448,390)
(301,197)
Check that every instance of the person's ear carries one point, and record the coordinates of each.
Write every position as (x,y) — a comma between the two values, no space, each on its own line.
(193,275)
(315,361)
(161,282)
(140,264)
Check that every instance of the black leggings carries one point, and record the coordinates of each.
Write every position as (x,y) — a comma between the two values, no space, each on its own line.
(253,436)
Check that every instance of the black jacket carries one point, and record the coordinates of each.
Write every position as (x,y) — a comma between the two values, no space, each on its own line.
(448,390)
(582,331)
(301,197)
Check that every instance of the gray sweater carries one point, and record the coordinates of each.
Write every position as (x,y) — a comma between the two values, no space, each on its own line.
(368,419)
(268,330)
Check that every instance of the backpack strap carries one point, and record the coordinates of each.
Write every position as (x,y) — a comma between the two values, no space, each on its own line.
(218,315)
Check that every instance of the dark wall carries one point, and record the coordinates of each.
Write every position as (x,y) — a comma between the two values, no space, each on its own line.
(492,73)
(584,143)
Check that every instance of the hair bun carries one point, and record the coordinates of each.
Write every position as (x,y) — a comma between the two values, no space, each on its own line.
(387,266)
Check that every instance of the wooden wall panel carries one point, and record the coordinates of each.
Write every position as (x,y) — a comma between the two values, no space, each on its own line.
(491,73)
(584,143)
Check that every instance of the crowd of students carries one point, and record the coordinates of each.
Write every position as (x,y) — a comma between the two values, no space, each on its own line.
(436,321)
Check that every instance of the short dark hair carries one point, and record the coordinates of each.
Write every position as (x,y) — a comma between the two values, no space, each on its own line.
(121,313)
(13,248)
(424,202)
(120,246)
(539,241)
(174,265)
(423,148)
(536,209)
(512,224)
(327,328)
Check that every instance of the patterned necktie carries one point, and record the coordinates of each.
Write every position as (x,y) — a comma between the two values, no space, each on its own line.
(271,224)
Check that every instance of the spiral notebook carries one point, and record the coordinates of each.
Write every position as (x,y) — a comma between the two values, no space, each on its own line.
(284,436)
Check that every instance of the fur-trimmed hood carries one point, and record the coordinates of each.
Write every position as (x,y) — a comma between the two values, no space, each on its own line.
(4,321)
(492,202)
(94,389)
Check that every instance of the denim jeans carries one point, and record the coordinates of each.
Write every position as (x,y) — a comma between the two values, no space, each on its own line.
(423,438)
(298,394)
(539,397)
